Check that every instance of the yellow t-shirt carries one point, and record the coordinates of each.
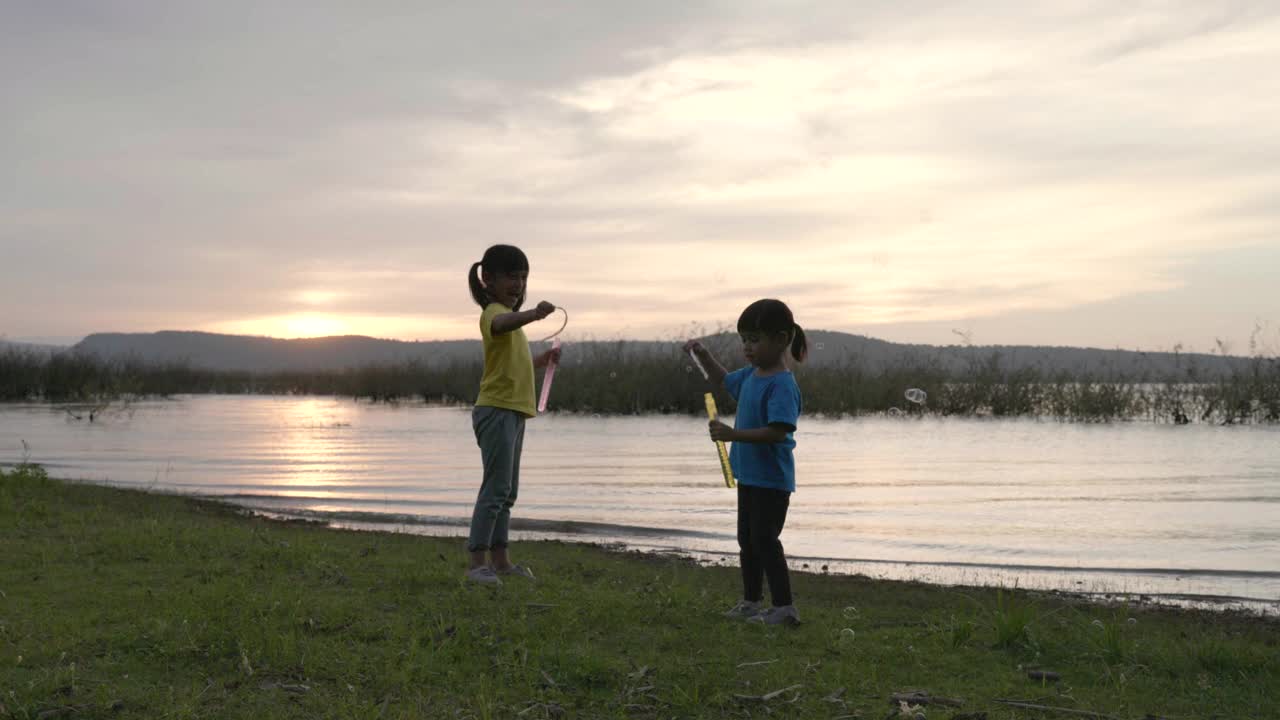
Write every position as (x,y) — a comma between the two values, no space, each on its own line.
(508,366)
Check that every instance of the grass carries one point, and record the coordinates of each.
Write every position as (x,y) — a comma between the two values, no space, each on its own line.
(1012,620)
(122,604)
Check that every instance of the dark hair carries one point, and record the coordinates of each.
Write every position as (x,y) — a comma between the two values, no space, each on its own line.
(497,259)
(773,316)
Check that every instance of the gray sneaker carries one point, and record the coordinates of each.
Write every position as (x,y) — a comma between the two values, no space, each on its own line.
(518,571)
(785,615)
(744,610)
(484,575)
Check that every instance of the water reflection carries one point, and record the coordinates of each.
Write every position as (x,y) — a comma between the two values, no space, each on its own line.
(312,450)
(1018,498)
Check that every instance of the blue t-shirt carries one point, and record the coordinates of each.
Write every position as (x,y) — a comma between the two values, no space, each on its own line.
(763,401)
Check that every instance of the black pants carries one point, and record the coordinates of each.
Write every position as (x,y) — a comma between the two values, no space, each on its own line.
(761,515)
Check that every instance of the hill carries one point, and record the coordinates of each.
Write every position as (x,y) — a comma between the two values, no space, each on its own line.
(263,354)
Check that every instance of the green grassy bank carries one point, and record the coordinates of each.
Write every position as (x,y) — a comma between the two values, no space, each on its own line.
(121,604)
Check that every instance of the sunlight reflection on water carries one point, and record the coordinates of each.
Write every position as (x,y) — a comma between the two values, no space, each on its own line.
(1126,506)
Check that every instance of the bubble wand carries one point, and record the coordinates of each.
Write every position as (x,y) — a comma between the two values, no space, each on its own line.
(725,468)
(547,377)
(710,400)
(550,373)
(698,362)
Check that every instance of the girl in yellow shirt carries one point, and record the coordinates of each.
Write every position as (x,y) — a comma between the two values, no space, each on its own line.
(505,401)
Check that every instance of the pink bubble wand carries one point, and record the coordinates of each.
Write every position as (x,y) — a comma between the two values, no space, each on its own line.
(547,377)
(550,373)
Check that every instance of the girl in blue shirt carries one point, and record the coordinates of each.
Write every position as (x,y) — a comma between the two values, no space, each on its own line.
(768,407)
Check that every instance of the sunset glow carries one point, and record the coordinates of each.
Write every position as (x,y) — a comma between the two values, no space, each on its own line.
(317,297)
(1045,173)
(310,325)
(289,326)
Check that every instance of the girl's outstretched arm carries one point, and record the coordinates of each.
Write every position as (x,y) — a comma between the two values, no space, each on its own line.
(715,371)
(506,322)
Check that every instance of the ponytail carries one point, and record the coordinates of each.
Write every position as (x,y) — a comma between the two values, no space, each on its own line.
(478,291)
(799,345)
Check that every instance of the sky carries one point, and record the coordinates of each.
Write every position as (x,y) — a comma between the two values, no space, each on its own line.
(1055,173)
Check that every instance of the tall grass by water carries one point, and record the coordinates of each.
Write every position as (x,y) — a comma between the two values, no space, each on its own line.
(610,378)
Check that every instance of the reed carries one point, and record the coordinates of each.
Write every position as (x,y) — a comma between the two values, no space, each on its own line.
(612,378)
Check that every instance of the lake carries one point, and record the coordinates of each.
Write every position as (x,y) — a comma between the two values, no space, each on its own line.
(1179,513)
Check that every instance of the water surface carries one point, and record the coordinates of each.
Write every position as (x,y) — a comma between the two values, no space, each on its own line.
(1119,508)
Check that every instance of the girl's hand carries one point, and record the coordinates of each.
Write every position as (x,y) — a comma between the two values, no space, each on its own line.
(549,356)
(544,309)
(720,431)
(711,368)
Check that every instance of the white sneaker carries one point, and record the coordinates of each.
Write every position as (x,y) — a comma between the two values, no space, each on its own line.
(519,571)
(484,575)
(744,610)
(785,615)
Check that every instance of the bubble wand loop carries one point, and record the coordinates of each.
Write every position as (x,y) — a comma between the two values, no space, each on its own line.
(725,468)
(698,362)
(550,373)
(563,325)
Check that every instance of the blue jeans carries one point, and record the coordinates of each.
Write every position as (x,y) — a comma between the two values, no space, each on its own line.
(500,435)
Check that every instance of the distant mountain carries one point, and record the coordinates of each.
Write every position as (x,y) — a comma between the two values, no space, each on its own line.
(835,348)
(261,354)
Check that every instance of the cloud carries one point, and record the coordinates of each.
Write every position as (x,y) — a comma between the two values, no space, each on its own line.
(209,165)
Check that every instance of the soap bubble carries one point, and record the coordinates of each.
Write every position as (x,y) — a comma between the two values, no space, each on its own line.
(613,376)
(851,613)
(688,368)
(916,395)
(894,412)
(821,345)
